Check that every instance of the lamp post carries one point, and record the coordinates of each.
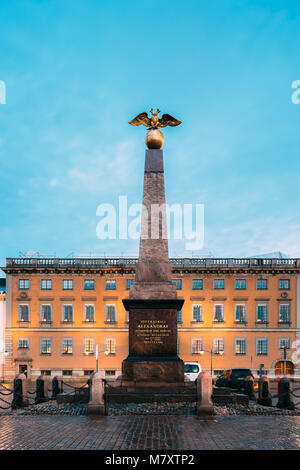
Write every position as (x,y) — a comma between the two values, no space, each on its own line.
(284,348)
(211,356)
(97,354)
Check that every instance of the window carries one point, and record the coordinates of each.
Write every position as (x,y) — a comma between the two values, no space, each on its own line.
(88,372)
(197,284)
(179,316)
(89,313)
(23,343)
(197,345)
(240,346)
(46,284)
(110,313)
(218,312)
(129,283)
(24,284)
(110,285)
(46,346)
(110,345)
(110,373)
(88,346)
(67,346)
(218,345)
(197,313)
(68,284)
(284,342)
(24,313)
(68,313)
(240,313)
(284,284)
(177,283)
(127,316)
(262,313)
(45,372)
(67,373)
(218,283)
(284,313)
(240,283)
(261,346)
(89,284)
(46,314)
(261,284)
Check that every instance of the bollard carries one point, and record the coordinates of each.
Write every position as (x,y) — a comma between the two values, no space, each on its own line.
(285,400)
(20,392)
(41,390)
(57,386)
(249,388)
(264,396)
(204,394)
(96,404)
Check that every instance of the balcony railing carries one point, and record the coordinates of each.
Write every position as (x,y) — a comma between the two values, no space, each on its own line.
(128,262)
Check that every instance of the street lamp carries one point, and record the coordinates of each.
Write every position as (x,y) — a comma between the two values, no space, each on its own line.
(211,355)
(97,353)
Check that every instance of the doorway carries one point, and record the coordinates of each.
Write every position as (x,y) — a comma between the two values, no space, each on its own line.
(23,369)
(284,368)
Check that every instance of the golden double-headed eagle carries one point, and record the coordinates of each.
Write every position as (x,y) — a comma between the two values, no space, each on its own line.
(154,122)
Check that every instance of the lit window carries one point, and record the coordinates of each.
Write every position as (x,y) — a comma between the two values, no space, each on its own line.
(284,284)
(46,284)
(218,345)
(67,346)
(110,345)
(240,283)
(262,313)
(197,284)
(46,314)
(177,283)
(110,313)
(240,313)
(218,313)
(68,284)
(197,345)
(89,284)
(218,283)
(261,346)
(89,313)
(23,343)
(284,313)
(262,284)
(24,284)
(68,313)
(24,313)
(240,346)
(46,345)
(89,346)
(110,285)
(197,313)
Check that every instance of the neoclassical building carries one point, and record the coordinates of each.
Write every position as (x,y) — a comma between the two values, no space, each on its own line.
(236,313)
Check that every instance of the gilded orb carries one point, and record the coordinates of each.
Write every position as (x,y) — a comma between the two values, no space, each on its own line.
(154,139)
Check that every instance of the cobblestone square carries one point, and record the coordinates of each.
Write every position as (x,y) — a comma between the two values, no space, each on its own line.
(149,433)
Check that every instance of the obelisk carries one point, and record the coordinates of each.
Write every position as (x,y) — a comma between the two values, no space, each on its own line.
(153,302)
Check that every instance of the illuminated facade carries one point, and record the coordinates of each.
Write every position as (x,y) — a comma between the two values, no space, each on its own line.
(58,310)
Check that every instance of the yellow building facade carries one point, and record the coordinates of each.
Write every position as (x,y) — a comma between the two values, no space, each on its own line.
(237,312)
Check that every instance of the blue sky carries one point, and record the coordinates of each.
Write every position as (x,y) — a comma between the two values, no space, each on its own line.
(77,70)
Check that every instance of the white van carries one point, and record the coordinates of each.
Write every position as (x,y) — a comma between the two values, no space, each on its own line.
(192,370)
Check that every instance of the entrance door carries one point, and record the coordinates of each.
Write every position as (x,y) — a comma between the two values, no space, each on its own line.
(280,369)
(23,369)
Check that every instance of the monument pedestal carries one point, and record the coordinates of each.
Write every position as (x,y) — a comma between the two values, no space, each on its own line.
(152,359)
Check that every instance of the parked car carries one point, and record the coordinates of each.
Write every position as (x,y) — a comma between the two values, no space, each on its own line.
(233,378)
(192,370)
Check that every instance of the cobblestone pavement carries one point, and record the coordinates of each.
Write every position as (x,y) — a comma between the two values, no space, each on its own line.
(149,432)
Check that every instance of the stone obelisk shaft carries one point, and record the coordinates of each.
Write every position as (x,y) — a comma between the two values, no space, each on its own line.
(153,270)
